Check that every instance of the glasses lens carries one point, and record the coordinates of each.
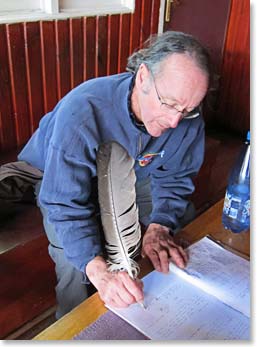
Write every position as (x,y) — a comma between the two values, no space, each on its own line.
(169,109)
(192,114)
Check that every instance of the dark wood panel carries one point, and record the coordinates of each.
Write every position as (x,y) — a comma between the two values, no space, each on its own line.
(155,16)
(90,34)
(234,100)
(48,51)
(7,126)
(76,51)
(17,63)
(146,17)
(135,25)
(124,42)
(102,45)
(63,68)
(34,73)
(113,44)
(145,20)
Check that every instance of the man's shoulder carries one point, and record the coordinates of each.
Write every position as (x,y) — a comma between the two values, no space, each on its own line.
(101,90)
(102,83)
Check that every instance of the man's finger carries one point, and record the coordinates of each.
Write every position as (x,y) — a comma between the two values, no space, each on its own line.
(118,295)
(116,301)
(182,252)
(133,287)
(164,260)
(176,257)
(153,256)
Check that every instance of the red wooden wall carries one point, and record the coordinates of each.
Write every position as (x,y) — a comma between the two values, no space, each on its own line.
(41,61)
(234,100)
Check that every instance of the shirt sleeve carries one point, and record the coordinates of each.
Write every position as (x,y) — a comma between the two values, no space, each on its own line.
(67,196)
(172,182)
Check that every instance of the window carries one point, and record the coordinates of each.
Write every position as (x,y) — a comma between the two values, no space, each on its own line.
(29,10)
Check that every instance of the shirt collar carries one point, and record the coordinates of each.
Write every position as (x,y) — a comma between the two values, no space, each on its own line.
(140,126)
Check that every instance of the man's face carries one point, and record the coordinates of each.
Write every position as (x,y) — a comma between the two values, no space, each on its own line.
(164,99)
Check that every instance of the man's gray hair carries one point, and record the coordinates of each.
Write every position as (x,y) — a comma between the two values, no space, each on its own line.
(159,47)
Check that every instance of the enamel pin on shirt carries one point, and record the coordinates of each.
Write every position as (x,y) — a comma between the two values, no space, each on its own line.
(147,158)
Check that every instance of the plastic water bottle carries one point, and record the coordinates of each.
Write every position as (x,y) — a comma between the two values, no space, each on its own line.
(236,209)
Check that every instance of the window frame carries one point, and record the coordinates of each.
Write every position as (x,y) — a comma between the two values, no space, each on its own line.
(60,9)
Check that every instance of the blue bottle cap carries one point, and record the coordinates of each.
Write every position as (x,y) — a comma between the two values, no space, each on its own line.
(248,136)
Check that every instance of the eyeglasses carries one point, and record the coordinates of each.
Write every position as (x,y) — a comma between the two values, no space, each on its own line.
(172,110)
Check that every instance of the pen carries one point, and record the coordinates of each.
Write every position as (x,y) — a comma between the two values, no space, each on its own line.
(141,303)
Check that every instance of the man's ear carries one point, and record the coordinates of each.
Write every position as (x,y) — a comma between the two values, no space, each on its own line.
(144,78)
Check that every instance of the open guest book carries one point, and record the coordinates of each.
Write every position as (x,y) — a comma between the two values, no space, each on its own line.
(208,300)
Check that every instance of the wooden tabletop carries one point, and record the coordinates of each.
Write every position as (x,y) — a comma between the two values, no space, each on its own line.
(209,223)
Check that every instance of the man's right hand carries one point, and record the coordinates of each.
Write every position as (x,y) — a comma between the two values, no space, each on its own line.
(116,289)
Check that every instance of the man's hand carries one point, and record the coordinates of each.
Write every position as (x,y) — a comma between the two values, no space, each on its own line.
(116,289)
(159,246)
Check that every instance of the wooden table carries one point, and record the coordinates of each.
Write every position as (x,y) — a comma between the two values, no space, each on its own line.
(209,223)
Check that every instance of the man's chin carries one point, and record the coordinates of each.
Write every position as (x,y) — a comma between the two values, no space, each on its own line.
(157,132)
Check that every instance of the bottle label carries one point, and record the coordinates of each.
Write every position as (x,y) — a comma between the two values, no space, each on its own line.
(235,207)
(246,210)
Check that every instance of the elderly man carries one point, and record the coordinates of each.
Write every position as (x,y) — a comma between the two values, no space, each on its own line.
(153,111)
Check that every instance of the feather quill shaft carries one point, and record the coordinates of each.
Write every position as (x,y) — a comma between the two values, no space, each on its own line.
(119,213)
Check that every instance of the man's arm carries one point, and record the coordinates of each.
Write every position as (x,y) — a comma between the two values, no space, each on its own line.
(171,185)
(66,195)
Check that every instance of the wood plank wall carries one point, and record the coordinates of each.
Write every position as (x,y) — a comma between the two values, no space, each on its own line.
(41,61)
(234,100)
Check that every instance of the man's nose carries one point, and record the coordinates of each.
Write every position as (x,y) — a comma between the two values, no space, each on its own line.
(174,120)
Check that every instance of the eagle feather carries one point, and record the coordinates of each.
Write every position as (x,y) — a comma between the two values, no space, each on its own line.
(119,212)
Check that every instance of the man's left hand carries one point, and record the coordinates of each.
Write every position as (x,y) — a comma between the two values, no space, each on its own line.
(159,246)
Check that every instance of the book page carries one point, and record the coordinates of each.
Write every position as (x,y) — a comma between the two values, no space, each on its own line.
(219,272)
(176,310)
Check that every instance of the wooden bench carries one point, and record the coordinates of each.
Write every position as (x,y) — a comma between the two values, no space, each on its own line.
(26,270)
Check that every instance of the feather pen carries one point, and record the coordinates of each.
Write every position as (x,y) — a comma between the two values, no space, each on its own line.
(119,212)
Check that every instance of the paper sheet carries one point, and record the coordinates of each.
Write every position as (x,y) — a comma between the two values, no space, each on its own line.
(219,273)
(177,309)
